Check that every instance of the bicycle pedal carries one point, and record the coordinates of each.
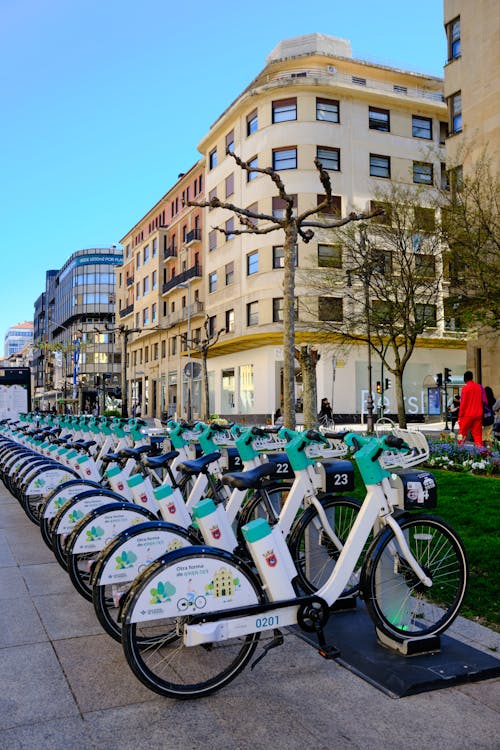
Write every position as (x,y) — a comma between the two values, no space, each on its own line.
(329,652)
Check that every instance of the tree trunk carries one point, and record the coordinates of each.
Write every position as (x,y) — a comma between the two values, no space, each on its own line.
(308,359)
(289,326)
(205,398)
(398,378)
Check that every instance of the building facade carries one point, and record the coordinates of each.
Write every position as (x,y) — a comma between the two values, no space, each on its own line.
(77,360)
(18,337)
(370,126)
(472,91)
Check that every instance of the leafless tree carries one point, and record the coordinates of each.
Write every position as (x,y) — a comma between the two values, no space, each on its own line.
(202,346)
(293,226)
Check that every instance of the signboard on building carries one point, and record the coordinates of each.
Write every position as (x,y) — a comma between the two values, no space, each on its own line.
(15,391)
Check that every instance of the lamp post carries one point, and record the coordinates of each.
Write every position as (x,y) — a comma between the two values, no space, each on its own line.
(126,332)
(188,369)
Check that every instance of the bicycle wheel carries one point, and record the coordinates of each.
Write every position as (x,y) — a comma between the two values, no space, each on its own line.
(398,603)
(315,553)
(167,666)
(255,506)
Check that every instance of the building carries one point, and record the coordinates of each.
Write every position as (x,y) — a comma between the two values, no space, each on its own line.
(77,360)
(18,337)
(370,125)
(472,91)
(160,291)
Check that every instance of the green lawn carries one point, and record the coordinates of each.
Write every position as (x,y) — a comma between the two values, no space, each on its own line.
(470,504)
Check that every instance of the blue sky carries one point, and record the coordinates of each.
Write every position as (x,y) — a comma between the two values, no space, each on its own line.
(103,103)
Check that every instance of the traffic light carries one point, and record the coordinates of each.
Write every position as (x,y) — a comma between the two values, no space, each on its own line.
(379,387)
(447,375)
(387,384)
(439,379)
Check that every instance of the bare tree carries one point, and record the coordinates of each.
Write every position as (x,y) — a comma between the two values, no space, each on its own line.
(471,229)
(202,346)
(294,226)
(388,291)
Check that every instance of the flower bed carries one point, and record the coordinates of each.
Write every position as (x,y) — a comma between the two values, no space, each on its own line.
(446,453)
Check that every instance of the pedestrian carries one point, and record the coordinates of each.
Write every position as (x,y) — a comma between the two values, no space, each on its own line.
(138,410)
(470,413)
(325,415)
(278,417)
(453,410)
(489,418)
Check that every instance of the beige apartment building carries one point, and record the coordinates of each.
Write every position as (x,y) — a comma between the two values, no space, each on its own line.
(472,91)
(369,125)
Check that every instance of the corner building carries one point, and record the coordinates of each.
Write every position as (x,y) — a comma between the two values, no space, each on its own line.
(369,125)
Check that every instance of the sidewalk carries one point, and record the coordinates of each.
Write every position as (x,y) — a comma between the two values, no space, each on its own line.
(65,684)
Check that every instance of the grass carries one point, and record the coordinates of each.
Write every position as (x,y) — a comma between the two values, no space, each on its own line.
(470,505)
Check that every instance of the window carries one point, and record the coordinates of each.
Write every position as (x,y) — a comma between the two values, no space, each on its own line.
(455,110)
(212,240)
(254,162)
(327,110)
(155,248)
(335,209)
(444,181)
(279,206)
(229,227)
(154,280)
(212,282)
(279,256)
(379,119)
(138,260)
(426,314)
(212,325)
(138,290)
(145,316)
(422,173)
(329,158)
(443,133)
(252,262)
(154,309)
(146,254)
(380,166)
(425,219)
(381,261)
(284,158)
(425,265)
(278,310)
(229,321)
(453,38)
(211,195)
(229,185)
(253,208)
(173,345)
(421,127)
(284,109)
(145,285)
(329,256)
(330,308)
(252,122)
(229,273)
(400,89)
(230,142)
(358,80)
(212,159)
(252,314)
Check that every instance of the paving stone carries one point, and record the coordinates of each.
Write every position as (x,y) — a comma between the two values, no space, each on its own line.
(12,583)
(47,578)
(34,688)
(19,622)
(67,615)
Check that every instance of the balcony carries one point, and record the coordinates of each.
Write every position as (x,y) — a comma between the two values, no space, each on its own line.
(191,273)
(185,313)
(127,311)
(130,280)
(170,252)
(193,236)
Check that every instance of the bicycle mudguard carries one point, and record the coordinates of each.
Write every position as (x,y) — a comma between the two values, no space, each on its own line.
(97,528)
(48,479)
(60,496)
(77,508)
(188,581)
(132,550)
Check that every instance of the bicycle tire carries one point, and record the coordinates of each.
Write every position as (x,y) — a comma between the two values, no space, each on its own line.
(315,562)
(398,603)
(168,667)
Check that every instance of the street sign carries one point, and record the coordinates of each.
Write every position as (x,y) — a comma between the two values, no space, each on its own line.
(192,369)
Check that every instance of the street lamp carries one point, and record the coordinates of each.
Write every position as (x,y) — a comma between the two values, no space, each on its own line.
(365,273)
(188,369)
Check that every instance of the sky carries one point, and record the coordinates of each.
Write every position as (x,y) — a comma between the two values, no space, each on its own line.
(103,103)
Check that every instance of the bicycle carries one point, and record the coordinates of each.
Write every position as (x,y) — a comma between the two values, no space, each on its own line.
(413,581)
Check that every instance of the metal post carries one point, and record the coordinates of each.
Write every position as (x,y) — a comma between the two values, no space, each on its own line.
(188,344)
(369,403)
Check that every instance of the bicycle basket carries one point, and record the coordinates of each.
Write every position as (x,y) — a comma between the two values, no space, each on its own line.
(418,453)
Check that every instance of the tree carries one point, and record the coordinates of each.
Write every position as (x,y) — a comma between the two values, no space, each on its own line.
(294,226)
(203,346)
(388,289)
(471,229)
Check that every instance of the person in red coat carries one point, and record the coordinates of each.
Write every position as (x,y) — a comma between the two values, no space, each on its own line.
(470,415)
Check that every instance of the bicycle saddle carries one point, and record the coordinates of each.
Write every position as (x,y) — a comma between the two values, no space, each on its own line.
(199,465)
(251,479)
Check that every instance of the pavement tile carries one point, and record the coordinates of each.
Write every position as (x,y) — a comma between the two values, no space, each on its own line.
(56,734)
(7,559)
(47,578)
(19,622)
(67,615)
(12,583)
(34,688)
(98,673)
(27,546)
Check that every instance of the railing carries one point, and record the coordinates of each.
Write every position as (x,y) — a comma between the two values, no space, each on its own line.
(181,278)
(185,313)
(331,74)
(170,252)
(130,280)
(127,311)
(193,236)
